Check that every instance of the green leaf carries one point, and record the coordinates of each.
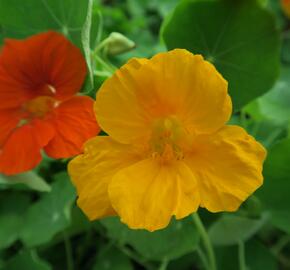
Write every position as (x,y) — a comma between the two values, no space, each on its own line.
(30,179)
(12,207)
(27,260)
(267,132)
(286,47)
(50,215)
(66,16)
(179,238)
(186,262)
(231,229)
(112,259)
(274,105)
(259,257)
(227,258)
(230,34)
(274,193)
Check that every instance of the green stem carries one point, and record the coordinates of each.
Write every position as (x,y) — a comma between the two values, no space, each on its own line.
(128,252)
(202,257)
(242,258)
(278,247)
(102,73)
(103,63)
(163,265)
(255,129)
(68,251)
(100,29)
(272,137)
(101,45)
(206,241)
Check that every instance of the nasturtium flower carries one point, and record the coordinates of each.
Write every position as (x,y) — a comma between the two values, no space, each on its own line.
(39,109)
(169,150)
(286,7)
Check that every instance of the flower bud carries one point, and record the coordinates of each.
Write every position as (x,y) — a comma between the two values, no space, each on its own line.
(118,44)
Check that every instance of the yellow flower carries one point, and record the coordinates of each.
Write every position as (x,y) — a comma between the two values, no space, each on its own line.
(286,7)
(168,151)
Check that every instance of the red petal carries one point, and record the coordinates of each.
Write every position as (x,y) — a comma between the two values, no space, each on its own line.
(13,92)
(9,120)
(43,132)
(44,64)
(74,123)
(21,151)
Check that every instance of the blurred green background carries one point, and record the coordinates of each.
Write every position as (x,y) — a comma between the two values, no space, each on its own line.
(41,227)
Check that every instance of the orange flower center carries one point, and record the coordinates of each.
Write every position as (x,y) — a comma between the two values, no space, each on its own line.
(40,106)
(165,140)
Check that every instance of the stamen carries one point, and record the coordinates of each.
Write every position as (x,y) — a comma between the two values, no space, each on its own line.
(51,88)
(40,106)
(165,139)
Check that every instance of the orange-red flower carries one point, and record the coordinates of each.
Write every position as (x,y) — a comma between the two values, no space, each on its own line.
(286,7)
(39,109)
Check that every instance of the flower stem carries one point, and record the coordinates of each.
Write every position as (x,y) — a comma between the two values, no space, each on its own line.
(163,265)
(278,247)
(242,259)
(103,63)
(202,257)
(68,251)
(206,241)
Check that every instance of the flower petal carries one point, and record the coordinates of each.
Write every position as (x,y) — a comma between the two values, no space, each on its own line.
(286,7)
(116,107)
(74,123)
(188,199)
(176,83)
(21,151)
(227,166)
(9,120)
(13,92)
(44,64)
(92,172)
(146,194)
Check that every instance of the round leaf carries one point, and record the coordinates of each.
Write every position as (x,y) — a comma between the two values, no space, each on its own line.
(119,262)
(232,229)
(274,194)
(65,16)
(27,260)
(12,207)
(50,215)
(30,179)
(275,104)
(230,34)
(179,238)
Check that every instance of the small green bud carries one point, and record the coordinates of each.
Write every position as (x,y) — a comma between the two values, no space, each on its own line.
(117,43)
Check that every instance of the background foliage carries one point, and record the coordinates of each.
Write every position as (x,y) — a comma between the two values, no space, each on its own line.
(41,227)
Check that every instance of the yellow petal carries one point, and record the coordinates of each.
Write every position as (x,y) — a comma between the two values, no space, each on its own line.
(187,87)
(188,199)
(92,172)
(227,166)
(116,107)
(173,84)
(146,194)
